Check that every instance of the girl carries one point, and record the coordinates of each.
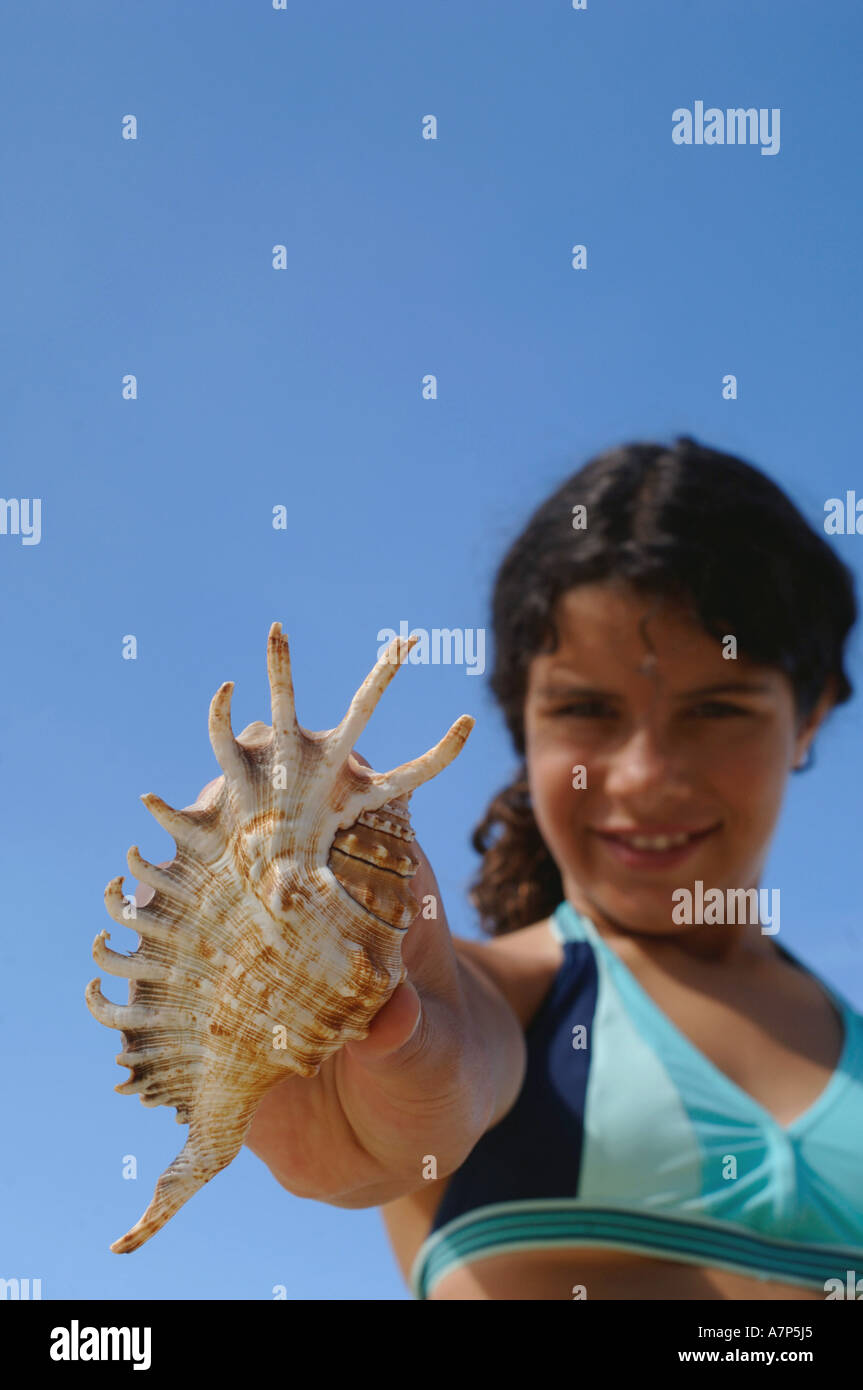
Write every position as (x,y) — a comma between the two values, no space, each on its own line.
(621,1095)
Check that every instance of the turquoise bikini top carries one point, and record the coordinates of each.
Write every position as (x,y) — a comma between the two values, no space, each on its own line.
(626,1136)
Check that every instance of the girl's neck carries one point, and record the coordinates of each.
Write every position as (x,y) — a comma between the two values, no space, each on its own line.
(727,944)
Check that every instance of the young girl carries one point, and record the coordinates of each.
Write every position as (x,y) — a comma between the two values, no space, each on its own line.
(634,1090)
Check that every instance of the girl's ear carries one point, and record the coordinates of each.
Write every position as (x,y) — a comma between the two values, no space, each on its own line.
(825,703)
(809,727)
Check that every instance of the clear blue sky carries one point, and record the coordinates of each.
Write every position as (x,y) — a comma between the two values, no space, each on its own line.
(302,387)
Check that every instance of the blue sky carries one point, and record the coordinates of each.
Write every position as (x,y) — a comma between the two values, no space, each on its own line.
(301,387)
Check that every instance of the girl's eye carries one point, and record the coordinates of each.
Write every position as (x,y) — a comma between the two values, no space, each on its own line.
(593,709)
(589,708)
(721,706)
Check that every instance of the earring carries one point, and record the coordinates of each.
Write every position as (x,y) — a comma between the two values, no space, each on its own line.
(807,762)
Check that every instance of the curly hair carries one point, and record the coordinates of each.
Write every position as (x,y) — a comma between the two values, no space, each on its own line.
(687,522)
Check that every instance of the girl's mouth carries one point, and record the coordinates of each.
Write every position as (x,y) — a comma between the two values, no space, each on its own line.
(641,851)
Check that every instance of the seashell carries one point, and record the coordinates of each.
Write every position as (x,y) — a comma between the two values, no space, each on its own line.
(275,935)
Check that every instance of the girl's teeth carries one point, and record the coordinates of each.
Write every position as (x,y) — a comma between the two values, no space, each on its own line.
(657,842)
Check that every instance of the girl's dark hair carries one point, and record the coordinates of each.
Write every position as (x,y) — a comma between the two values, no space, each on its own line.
(686,522)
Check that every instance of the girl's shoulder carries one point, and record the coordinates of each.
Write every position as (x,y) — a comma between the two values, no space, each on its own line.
(521,965)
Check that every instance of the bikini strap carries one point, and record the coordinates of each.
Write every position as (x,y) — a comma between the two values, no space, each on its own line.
(567,924)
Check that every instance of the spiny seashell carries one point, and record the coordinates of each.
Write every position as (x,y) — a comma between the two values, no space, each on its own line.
(275,935)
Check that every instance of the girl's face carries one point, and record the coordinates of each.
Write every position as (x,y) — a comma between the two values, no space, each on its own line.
(672,737)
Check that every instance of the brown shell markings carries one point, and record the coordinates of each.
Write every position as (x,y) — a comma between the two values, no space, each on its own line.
(275,935)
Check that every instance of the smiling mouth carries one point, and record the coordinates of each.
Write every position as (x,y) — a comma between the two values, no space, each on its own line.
(656,843)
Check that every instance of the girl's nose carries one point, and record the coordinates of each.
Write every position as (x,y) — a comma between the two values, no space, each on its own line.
(642,761)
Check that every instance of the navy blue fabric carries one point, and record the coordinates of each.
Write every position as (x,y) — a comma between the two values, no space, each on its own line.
(535,1150)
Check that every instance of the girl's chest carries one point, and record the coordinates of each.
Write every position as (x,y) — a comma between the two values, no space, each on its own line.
(771,1031)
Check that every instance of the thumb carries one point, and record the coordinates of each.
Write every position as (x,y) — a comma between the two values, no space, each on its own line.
(398,1023)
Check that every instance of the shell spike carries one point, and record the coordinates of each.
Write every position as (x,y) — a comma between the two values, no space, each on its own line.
(180,826)
(344,737)
(169,883)
(411,775)
(173,821)
(228,753)
(129,967)
(116,903)
(104,956)
(102,1009)
(190,828)
(126,1016)
(201,1158)
(286,731)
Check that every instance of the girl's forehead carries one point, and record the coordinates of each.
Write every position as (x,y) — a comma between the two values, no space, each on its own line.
(605,616)
(606,635)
